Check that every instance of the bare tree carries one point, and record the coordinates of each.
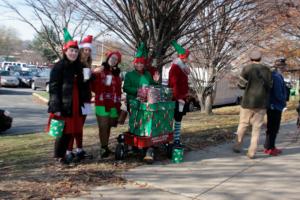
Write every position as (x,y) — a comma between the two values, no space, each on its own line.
(9,42)
(219,44)
(55,14)
(154,22)
(279,29)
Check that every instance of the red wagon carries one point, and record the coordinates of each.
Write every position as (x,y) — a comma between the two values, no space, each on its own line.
(150,125)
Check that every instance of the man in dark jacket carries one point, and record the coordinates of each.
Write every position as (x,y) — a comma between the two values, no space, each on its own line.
(277,103)
(256,80)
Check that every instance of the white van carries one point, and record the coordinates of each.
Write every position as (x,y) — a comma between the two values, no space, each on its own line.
(4,64)
(227,92)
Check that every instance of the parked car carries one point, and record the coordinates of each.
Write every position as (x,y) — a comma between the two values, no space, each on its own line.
(35,71)
(12,68)
(192,100)
(41,80)
(8,80)
(25,78)
(5,120)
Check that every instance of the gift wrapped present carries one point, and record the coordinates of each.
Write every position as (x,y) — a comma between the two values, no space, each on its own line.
(151,119)
(153,95)
(142,93)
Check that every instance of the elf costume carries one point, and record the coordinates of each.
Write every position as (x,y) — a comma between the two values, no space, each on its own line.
(136,79)
(67,93)
(178,81)
(107,88)
(80,153)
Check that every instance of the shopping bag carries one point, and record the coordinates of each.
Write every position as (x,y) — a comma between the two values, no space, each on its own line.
(177,155)
(56,128)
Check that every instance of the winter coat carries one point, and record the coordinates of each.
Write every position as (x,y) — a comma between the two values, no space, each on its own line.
(278,94)
(178,81)
(256,79)
(61,87)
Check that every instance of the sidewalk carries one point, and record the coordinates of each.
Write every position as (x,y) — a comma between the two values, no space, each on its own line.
(216,173)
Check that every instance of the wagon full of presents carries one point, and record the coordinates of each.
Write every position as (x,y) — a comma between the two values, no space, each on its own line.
(150,122)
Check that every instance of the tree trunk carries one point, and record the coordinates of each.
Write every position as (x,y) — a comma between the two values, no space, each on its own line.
(159,67)
(205,101)
(208,105)
(201,102)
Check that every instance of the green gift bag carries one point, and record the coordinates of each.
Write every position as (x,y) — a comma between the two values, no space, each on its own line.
(56,128)
(177,155)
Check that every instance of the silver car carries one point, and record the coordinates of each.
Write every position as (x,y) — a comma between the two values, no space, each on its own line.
(8,80)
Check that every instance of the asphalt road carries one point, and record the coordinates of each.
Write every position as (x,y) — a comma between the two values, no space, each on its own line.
(29,115)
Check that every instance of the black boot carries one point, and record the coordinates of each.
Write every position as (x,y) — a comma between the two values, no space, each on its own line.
(105,152)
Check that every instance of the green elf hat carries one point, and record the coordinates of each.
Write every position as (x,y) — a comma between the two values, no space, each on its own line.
(140,54)
(69,42)
(182,53)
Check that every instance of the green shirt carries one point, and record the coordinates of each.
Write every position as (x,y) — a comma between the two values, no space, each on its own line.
(134,80)
(256,79)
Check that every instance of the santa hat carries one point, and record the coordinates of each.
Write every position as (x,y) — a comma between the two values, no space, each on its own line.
(141,54)
(69,42)
(182,53)
(117,53)
(86,42)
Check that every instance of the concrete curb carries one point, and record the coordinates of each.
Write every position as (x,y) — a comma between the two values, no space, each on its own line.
(43,99)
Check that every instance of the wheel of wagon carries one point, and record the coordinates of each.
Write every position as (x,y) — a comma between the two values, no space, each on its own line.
(121,138)
(120,152)
(149,157)
(169,150)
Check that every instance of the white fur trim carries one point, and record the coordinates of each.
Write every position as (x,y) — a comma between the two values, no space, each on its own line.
(178,61)
(85,45)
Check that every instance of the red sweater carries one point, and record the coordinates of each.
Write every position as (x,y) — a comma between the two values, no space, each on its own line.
(178,81)
(108,96)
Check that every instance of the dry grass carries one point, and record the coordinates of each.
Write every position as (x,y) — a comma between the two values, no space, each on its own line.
(28,171)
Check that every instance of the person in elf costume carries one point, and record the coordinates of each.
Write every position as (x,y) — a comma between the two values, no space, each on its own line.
(178,81)
(85,49)
(67,93)
(138,77)
(107,88)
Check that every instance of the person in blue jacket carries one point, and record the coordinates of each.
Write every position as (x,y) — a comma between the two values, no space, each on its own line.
(277,102)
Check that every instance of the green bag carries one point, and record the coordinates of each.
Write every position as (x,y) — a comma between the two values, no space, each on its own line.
(177,155)
(56,128)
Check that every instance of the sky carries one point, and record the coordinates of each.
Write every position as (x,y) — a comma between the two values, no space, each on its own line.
(8,19)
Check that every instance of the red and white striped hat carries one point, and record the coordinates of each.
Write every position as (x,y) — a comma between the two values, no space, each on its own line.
(86,42)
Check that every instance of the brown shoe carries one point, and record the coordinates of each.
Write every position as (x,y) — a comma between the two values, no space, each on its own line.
(237,148)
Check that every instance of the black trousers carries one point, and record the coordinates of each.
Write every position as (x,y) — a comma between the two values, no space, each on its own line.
(273,125)
(61,145)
